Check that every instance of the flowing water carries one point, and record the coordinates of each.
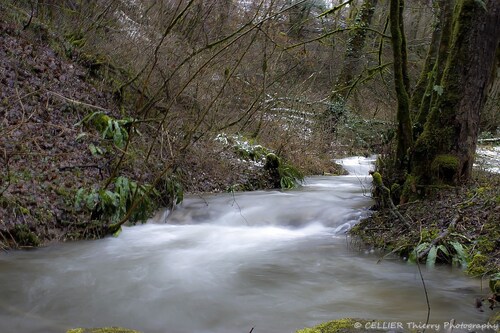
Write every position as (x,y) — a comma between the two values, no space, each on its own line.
(275,261)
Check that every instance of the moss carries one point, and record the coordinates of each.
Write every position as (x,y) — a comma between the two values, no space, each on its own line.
(486,244)
(495,318)
(445,161)
(24,210)
(24,236)
(345,325)
(100,122)
(395,187)
(494,286)
(334,326)
(444,167)
(102,330)
(477,266)
(429,234)
(409,191)
(272,162)
(377,179)
(62,191)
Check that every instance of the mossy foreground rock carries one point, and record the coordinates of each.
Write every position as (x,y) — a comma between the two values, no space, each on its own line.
(345,325)
(102,330)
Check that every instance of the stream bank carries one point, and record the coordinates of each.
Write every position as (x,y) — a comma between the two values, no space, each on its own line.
(457,226)
(63,131)
(277,261)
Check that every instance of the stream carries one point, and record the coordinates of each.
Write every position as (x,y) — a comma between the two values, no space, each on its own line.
(275,261)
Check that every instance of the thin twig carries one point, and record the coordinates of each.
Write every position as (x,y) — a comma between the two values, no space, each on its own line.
(77,102)
(426,294)
(239,208)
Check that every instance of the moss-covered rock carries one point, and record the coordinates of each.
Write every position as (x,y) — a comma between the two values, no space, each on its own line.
(102,330)
(345,325)
(272,162)
(339,325)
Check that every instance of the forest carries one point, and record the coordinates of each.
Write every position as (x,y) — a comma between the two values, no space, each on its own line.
(110,110)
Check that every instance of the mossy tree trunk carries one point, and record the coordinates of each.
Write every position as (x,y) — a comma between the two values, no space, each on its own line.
(352,63)
(433,78)
(443,9)
(404,131)
(354,52)
(444,152)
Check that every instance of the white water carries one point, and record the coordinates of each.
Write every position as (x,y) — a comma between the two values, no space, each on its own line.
(276,261)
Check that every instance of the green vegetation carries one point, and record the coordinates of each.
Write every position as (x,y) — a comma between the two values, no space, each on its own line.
(152,85)
(25,237)
(111,128)
(334,326)
(445,167)
(113,205)
(345,325)
(283,174)
(452,252)
(150,99)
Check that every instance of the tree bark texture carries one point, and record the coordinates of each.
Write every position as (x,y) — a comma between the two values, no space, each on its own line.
(430,59)
(354,52)
(445,150)
(404,131)
(434,79)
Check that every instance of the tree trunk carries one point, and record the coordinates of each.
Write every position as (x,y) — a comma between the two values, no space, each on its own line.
(351,65)
(404,131)
(354,51)
(445,150)
(297,17)
(434,79)
(430,60)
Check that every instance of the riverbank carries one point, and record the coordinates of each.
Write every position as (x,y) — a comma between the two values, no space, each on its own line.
(74,156)
(457,226)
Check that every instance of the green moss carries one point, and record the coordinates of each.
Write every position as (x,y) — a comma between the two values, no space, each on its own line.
(494,286)
(102,330)
(429,234)
(101,121)
(24,236)
(334,326)
(445,161)
(445,167)
(272,162)
(63,191)
(495,318)
(409,191)
(377,179)
(345,325)
(478,265)
(486,244)
(395,187)
(24,210)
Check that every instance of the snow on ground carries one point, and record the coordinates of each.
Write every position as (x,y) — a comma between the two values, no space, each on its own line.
(488,158)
